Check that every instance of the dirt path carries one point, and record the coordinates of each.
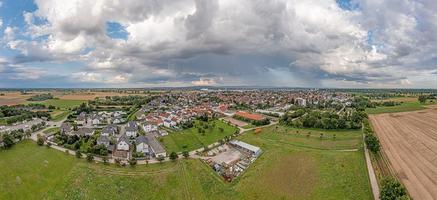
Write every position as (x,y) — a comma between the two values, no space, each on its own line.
(410,142)
(371,172)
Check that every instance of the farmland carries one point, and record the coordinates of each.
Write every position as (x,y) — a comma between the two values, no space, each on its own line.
(404,107)
(291,167)
(409,140)
(191,139)
(63,104)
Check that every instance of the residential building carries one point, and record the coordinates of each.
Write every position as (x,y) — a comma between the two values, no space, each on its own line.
(142,145)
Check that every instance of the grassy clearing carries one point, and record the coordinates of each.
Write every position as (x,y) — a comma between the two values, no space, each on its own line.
(59,115)
(404,107)
(290,171)
(192,139)
(284,171)
(51,130)
(63,104)
(33,172)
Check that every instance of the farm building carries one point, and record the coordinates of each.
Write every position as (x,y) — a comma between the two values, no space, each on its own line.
(248,148)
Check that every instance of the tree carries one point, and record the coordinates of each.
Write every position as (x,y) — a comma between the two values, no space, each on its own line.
(78,154)
(422,98)
(372,143)
(40,140)
(391,189)
(89,157)
(132,161)
(173,156)
(186,154)
(8,141)
(160,158)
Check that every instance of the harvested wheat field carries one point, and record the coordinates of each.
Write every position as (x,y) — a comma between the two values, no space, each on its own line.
(409,140)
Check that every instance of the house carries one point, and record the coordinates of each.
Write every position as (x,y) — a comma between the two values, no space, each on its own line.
(131,129)
(155,147)
(169,123)
(103,140)
(81,118)
(300,102)
(132,124)
(84,132)
(141,145)
(123,143)
(66,128)
(148,127)
(95,121)
(110,130)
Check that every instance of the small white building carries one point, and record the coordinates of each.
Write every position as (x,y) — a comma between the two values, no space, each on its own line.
(123,143)
(248,148)
(300,102)
(141,145)
(147,127)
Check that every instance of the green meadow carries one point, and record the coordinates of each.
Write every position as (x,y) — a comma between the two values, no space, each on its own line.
(293,165)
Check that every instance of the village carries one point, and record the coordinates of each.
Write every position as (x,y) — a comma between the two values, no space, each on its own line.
(125,135)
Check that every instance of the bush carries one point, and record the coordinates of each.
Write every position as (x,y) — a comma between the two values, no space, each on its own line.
(89,157)
(78,154)
(8,141)
(40,140)
(105,160)
(173,156)
(372,143)
(132,161)
(186,154)
(391,189)
(160,158)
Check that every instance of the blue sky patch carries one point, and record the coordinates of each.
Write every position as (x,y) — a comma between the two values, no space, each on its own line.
(116,30)
(347,4)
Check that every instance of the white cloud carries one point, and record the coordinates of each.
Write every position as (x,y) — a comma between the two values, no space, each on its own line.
(1,22)
(204,82)
(9,33)
(200,41)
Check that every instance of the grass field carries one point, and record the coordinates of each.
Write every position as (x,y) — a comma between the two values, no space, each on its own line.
(295,167)
(51,130)
(63,104)
(289,168)
(190,138)
(59,115)
(404,107)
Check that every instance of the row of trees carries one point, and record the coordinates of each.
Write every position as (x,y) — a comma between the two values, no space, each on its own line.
(122,100)
(262,122)
(306,118)
(41,97)
(390,187)
(423,98)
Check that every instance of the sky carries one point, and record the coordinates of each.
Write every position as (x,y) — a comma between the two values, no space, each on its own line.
(158,43)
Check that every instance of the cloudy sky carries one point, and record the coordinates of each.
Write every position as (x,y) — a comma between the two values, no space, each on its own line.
(148,43)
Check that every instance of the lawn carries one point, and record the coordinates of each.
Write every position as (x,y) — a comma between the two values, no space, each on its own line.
(404,107)
(59,115)
(63,104)
(52,130)
(192,139)
(289,168)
